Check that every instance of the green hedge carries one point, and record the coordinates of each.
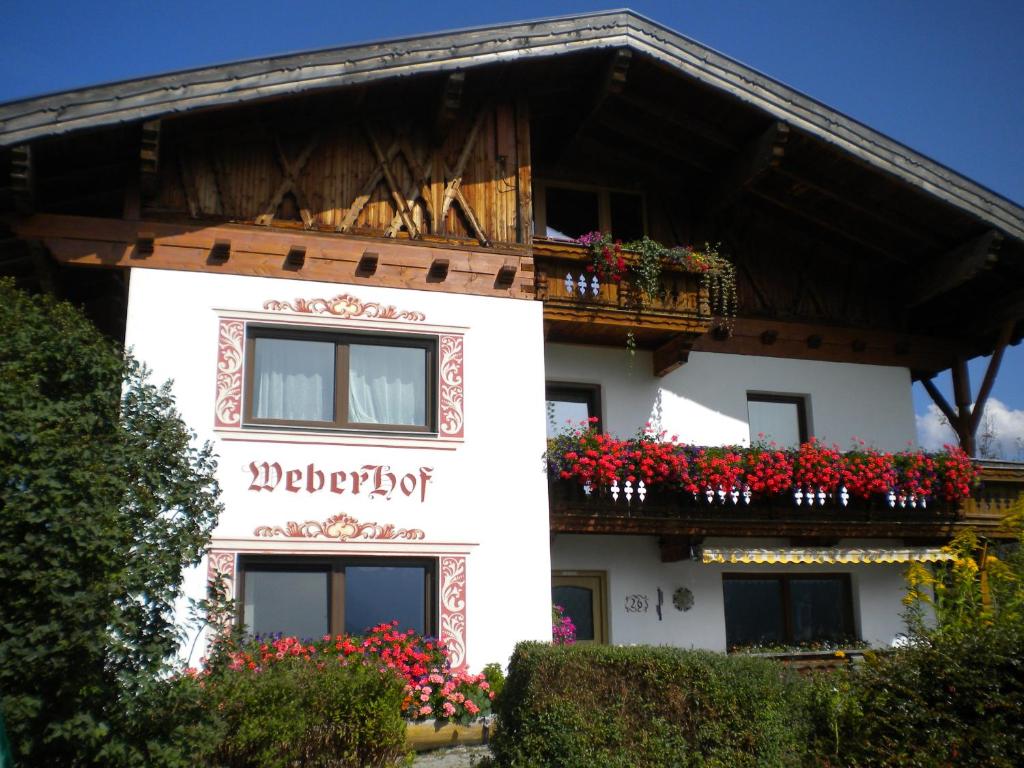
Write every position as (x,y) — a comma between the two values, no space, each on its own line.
(953,699)
(297,713)
(584,705)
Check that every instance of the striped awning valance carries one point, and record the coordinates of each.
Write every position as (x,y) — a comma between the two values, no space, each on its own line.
(788,555)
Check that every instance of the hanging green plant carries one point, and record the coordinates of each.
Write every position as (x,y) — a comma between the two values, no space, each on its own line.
(717,273)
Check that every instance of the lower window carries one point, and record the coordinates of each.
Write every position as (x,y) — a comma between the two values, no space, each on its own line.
(787,609)
(312,597)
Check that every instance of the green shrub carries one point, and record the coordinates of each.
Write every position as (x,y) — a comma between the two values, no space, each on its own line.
(581,706)
(297,713)
(495,677)
(105,498)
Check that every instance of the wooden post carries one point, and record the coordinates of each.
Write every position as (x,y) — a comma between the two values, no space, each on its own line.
(962,400)
(524,181)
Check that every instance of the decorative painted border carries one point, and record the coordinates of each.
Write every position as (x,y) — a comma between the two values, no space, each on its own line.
(228,408)
(451,385)
(345,306)
(453,609)
(340,528)
(221,562)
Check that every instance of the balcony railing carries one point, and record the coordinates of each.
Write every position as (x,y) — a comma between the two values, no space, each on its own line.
(640,510)
(579,306)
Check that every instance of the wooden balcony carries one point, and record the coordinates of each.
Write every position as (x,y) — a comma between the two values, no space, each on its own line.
(676,514)
(581,308)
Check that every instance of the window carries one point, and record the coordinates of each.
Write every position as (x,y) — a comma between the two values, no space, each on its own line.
(782,419)
(332,380)
(311,597)
(571,403)
(582,595)
(564,212)
(790,609)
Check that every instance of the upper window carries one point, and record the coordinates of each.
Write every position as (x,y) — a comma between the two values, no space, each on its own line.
(569,404)
(311,597)
(565,212)
(339,380)
(780,419)
(792,609)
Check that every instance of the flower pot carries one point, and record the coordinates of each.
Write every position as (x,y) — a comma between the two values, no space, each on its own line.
(430,734)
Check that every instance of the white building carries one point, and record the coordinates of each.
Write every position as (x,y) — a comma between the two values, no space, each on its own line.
(354,265)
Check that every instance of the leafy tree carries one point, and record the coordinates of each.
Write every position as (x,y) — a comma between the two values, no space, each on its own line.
(104,500)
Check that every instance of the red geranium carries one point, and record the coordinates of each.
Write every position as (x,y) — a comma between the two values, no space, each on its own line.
(866,472)
(817,466)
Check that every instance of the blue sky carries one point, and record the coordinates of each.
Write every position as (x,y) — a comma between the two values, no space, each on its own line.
(945,77)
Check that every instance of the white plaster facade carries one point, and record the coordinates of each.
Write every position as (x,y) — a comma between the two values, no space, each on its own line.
(634,568)
(486,500)
(705,401)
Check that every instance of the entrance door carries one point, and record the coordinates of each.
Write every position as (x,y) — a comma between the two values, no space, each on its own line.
(582,595)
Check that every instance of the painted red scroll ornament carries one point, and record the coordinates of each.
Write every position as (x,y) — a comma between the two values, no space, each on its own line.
(451,386)
(340,528)
(345,306)
(228,408)
(453,609)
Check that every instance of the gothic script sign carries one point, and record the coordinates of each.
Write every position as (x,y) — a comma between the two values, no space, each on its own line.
(373,480)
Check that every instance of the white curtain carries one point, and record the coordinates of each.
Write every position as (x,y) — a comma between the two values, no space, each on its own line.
(294,380)
(387,385)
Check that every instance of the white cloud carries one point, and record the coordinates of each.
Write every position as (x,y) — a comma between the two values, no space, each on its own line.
(1000,433)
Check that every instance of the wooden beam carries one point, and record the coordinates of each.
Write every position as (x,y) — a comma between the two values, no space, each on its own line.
(939,399)
(886,218)
(448,105)
(612,83)
(367,265)
(524,173)
(626,126)
(291,170)
(455,177)
(671,355)
(438,271)
(22,178)
(962,401)
(827,223)
(673,549)
(954,268)
(261,251)
(750,336)
(667,114)
(759,156)
(375,178)
(149,160)
(396,195)
(990,376)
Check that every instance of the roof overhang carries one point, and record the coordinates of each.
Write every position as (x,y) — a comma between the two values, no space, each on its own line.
(267,78)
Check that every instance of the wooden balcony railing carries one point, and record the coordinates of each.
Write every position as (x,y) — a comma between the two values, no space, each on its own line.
(580,307)
(672,513)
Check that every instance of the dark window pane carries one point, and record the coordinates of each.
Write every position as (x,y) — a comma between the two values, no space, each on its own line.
(387,384)
(627,211)
(293,380)
(289,602)
(570,213)
(578,603)
(753,612)
(376,595)
(819,610)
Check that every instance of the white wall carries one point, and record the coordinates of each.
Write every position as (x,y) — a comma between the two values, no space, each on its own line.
(705,401)
(488,495)
(633,566)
